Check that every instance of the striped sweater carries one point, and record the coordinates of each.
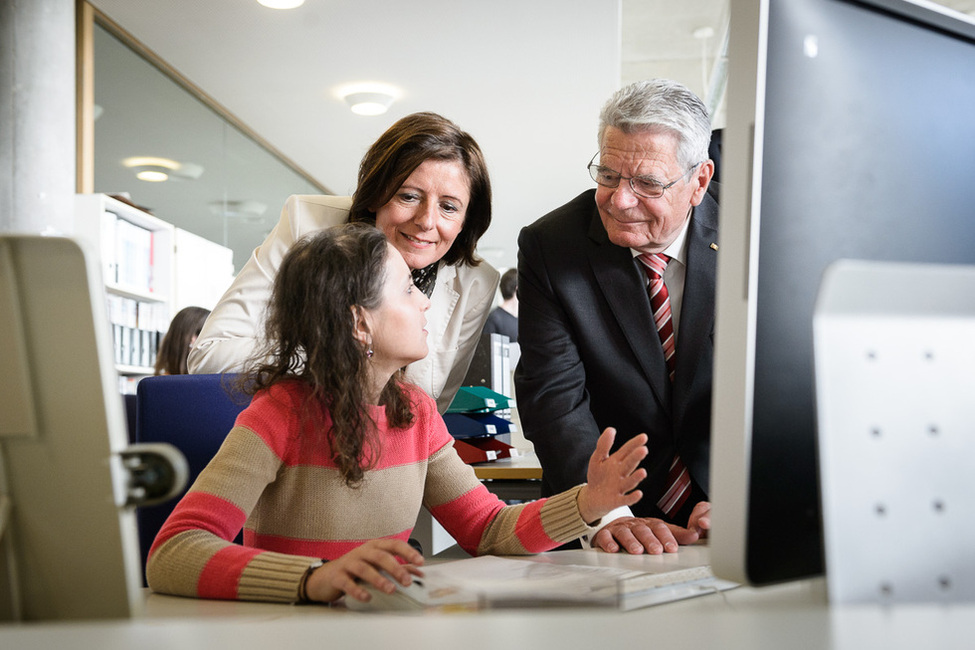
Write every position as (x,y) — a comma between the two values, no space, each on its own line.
(274,477)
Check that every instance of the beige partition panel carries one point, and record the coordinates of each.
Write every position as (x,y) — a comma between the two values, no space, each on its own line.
(895,393)
(69,551)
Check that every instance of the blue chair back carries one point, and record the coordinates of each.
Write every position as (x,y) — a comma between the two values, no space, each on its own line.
(130,403)
(192,412)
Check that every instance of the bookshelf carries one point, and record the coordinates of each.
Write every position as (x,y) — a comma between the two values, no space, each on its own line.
(136,252)
(150,270)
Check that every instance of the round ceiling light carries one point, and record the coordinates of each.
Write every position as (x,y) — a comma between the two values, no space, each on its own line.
(250,211)
(368,97)
(281,4)
(152,174)
(157,170)
(369,103)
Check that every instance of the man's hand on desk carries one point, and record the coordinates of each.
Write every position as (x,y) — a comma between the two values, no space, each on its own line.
(637,535)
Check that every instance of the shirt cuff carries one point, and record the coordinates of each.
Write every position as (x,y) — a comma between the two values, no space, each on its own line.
(618,513)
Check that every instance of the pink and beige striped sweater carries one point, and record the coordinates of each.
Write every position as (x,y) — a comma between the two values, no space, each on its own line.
(274,478)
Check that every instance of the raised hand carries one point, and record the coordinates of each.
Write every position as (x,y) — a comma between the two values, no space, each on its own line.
(364,563)
(612,478)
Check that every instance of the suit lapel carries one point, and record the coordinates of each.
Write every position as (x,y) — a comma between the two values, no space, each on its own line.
(443,301)
(697,310)
(620,280)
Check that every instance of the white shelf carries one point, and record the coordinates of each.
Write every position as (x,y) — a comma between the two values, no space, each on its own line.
(136,253)
(125,369)
(176,269)
(91,225)
(134,293)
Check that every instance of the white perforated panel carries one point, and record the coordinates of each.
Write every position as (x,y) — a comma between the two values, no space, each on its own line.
(895,389)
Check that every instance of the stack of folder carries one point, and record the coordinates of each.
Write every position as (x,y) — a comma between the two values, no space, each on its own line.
(473,421)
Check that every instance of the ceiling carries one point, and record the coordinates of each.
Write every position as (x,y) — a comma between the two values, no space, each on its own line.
(525,78)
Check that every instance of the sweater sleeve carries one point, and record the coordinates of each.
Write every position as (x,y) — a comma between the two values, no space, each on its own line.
(480,522)
(193,554)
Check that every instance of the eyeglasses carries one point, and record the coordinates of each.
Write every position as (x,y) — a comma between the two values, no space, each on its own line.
(644,186)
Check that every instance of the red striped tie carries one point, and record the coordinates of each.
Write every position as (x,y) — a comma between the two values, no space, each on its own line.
(678,480)
(655,264)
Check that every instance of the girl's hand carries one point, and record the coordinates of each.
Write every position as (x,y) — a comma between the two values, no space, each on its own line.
(612,479)
(342,575)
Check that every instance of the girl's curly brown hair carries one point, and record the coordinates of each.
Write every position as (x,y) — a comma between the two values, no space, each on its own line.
(310,336)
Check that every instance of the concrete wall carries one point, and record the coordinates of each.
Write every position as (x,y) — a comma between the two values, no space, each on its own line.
(37,115)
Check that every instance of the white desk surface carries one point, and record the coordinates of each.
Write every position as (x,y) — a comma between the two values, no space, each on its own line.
(792,616)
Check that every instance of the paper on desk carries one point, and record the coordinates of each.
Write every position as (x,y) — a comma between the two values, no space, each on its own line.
(493,582)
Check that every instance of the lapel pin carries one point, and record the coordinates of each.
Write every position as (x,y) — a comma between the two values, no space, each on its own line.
(714,246)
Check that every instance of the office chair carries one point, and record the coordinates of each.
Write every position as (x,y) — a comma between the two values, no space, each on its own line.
(130,403)
(192,412)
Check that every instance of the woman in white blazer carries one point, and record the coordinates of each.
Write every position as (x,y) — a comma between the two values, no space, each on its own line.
(425,184)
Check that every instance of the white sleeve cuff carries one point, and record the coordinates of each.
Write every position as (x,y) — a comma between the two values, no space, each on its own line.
(618,513)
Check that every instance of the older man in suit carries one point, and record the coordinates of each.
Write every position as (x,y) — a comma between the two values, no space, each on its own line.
(616,293)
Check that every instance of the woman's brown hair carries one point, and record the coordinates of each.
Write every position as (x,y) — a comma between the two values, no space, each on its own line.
(404,147)
(175,345)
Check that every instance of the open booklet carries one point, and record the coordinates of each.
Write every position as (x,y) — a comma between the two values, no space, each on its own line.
(563,579)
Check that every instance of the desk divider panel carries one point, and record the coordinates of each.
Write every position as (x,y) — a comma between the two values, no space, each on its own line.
(895,389)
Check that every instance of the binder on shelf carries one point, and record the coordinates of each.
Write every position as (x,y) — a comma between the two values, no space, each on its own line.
(128,346)
(478,399)
(134,255)
(473,425)
(482,450)
(147,348)
(108,250)
(135,331)
(491,365)
(471,420)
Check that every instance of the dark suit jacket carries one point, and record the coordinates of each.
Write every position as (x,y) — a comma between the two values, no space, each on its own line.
(590,356)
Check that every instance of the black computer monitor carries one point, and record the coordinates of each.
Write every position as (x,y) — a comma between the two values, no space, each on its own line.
(850,134)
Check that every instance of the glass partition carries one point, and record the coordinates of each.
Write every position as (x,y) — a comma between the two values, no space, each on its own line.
(220,183)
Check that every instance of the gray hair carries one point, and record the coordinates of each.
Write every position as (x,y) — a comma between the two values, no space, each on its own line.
(661,104)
